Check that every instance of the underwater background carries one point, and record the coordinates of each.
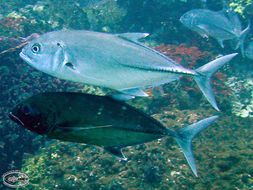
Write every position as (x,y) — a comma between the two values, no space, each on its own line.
(223,152)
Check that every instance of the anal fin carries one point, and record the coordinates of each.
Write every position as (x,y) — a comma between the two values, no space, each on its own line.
(116,152)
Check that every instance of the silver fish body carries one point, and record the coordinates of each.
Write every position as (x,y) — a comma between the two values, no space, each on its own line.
(115,61)
(100,59)
(222,25)
(209,23)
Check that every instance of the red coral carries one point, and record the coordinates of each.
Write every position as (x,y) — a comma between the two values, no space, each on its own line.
(187,56)
(14,23)
(192,57)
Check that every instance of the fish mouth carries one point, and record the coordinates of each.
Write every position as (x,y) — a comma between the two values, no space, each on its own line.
(15,119)
(24,57)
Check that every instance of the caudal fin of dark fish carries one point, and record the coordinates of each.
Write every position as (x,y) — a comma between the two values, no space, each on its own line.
(205,73)
(184,139)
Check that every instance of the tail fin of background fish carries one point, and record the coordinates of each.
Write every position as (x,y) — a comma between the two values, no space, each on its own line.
(242,36)
(205,73)
(184,139)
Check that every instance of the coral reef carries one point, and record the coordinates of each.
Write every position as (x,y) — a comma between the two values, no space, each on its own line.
(105,16)
(242,99)
(185,55)
(223,152)
(243,7)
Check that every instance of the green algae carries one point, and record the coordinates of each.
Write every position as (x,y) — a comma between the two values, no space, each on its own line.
(4,70)
(242,97)
(240,5)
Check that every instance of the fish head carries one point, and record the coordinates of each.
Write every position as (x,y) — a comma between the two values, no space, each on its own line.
(29,117)
(186,19)
(44,54)
(189,18)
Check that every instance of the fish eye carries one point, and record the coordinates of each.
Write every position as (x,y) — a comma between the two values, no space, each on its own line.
(36,48)
(26,109)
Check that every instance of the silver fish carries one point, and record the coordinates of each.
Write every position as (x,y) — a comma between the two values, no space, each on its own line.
(249,51)
(115,61)
(222,25)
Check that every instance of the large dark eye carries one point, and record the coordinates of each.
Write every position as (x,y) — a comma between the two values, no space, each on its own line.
(36,48)
(26,109)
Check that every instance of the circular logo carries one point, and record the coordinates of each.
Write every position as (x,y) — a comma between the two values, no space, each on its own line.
(15,178)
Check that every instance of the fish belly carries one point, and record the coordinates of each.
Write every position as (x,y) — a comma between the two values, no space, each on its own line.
(107,137)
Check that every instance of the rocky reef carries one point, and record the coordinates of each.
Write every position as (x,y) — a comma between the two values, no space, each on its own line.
(223,151)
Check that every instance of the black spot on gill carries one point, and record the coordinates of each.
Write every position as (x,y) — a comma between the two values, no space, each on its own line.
(70,65)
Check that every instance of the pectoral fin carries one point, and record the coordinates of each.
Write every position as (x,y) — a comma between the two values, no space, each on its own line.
(134,37)
(135,92)
(116,152)
(203,27)
(122,97)
(129,94)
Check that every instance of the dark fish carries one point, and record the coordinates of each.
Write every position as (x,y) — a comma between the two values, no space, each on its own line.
(99,120)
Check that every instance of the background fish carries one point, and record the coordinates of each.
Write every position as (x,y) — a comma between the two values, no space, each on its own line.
(217,25)
(249,51)
(115,61)
(99,120)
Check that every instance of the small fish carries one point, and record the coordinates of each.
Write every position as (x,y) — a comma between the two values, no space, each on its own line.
(99,120)
(116,61)
(249,51)
(222,25)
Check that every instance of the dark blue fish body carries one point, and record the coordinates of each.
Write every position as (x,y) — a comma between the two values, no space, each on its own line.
(98,120)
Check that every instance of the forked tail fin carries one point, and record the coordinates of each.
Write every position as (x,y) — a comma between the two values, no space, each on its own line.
(184,139)
(206,71)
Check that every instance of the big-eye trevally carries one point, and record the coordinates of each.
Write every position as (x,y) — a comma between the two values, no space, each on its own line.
(115,61)
(222,25)
(249,51)
(99,120)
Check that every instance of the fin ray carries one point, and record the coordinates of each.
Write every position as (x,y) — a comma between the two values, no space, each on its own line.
(206,71)
(184,139)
